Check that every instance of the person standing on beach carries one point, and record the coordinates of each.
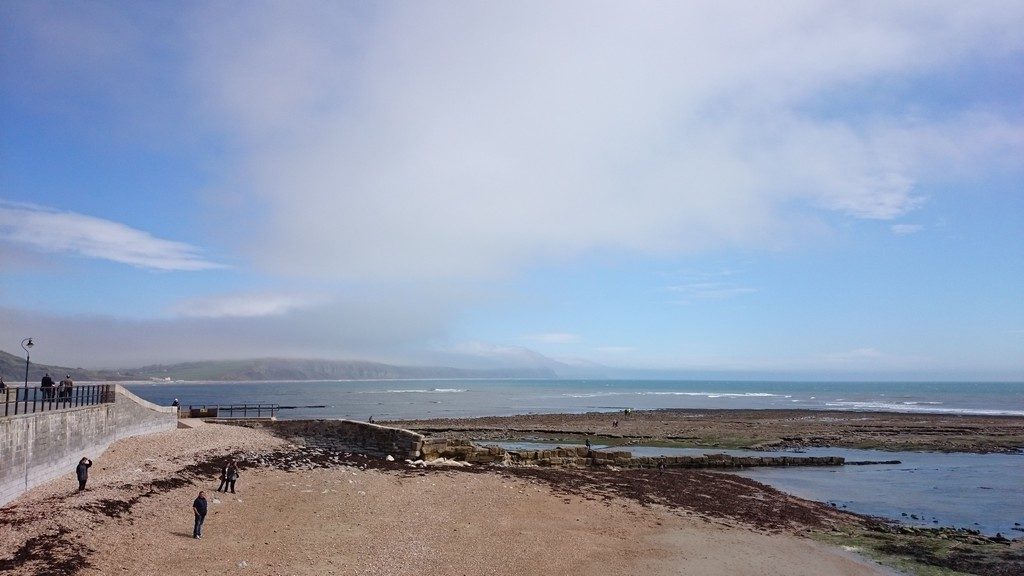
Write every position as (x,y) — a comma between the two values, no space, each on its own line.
(199,509)
(82,471)
(231,475)
(224,476)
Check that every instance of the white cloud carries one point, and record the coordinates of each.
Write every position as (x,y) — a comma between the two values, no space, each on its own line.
(855,355)
(553,338)
(52,231)
(615,349)
(905,229)
(472,140)
(715,285)
(243,305)
(360,328)
(711,290)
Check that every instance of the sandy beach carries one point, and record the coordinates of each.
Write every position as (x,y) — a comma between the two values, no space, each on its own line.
(306,512)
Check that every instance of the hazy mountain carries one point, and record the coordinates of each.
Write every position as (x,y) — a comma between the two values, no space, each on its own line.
(289,369)
(12,368)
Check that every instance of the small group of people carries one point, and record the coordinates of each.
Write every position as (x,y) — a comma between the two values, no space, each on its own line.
(62,391)
(228,477)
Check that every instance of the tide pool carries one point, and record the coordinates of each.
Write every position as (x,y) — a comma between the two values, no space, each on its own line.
(978,491)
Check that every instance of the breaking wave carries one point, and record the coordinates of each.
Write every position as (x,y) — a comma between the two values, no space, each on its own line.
(922,407)
(702,394)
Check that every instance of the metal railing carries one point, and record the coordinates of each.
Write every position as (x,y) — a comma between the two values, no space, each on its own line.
(18,400)
(234,411)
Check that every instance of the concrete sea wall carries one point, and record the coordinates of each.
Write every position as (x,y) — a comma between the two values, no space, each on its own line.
(36,448)
(350,434)
(406,444)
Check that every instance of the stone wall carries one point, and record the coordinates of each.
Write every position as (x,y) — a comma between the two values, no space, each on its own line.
(357,436)
(405,444)
(36,448)
(580,456)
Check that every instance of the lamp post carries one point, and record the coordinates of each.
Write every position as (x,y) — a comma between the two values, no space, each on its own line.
(25,345)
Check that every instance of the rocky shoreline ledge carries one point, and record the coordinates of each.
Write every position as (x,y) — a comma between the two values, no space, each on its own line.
(753,429)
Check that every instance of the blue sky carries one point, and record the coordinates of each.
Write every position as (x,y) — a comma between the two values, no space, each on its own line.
(819,190)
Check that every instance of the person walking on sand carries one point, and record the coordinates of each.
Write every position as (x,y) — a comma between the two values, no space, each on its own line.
(199,509)
(82,471)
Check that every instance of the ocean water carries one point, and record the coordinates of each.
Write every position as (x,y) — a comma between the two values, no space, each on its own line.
(977,491)
(393,399)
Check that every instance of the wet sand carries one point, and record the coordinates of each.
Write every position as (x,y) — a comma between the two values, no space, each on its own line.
(305,511)
(758,429)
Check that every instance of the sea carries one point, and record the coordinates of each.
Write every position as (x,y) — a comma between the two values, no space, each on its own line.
(408,399)
(978,491)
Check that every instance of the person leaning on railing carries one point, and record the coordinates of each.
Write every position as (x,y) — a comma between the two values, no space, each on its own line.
(46,384)
(65,387)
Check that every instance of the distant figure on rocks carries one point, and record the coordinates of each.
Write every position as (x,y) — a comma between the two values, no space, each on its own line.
(199,508)
(589,451)
(82,471)
(47,385)
(228,476)
(175,404)
(66,385)
(370,420)
(661,466)
(3,387)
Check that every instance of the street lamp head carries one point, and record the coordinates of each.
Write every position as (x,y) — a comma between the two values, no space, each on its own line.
(30,344)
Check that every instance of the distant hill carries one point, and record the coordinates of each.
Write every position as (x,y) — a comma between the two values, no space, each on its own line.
(289,369)
(12,368)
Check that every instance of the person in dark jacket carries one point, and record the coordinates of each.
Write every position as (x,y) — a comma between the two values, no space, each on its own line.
(230,475)
(82,471)
(47,385)
(199,509)
(224,477)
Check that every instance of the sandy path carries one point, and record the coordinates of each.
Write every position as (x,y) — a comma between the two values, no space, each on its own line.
(350,521)
(374,523)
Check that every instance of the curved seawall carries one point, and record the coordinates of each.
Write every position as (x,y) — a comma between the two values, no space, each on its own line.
(36,448)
